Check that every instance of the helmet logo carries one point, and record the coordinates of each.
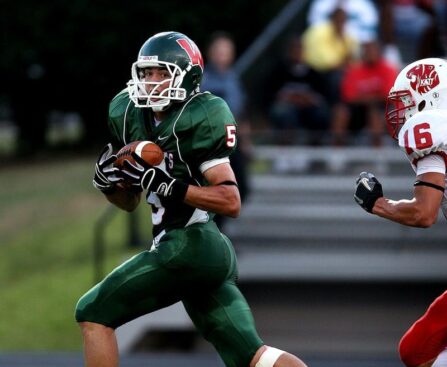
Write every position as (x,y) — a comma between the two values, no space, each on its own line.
(192,50)
(423,78)
(148,58)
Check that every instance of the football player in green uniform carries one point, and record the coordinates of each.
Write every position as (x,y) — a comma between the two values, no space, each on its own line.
(190,260)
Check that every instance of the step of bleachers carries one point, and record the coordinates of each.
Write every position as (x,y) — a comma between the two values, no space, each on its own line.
(389,160)
(306,225)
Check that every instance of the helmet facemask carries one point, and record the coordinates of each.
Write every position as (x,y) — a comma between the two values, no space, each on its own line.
(158,99)
(400,107)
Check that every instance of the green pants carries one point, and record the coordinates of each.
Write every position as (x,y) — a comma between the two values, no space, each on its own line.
(196,265)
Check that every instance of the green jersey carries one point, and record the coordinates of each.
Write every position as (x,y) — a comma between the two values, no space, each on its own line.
(195,136)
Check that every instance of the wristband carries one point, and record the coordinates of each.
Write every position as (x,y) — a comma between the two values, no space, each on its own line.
(179,190)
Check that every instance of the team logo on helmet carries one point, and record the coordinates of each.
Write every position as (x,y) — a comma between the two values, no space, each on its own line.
(423,78)
(148,58)
(192,50)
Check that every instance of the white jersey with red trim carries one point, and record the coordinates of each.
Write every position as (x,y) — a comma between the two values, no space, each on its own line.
(425,134)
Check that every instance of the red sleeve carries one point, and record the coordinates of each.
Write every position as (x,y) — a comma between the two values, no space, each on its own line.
(349,85)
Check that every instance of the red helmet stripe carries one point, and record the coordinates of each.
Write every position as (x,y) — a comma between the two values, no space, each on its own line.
(192,50)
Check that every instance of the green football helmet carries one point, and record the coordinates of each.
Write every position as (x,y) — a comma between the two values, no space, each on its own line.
(180,56)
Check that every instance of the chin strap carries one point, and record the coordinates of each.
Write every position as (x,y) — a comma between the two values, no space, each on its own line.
(429,184)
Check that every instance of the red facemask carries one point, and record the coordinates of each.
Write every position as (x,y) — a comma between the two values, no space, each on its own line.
(395,111)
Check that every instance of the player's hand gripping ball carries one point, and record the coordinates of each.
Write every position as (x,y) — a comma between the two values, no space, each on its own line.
(140,175)
(150,152)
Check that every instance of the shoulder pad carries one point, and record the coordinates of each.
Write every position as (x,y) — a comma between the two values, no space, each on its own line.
(119,103)
(424,133)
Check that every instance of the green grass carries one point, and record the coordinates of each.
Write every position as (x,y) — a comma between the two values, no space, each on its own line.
(47,218)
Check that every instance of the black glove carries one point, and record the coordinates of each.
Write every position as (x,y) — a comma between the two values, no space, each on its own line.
(146,177)
(367,191)
(106,177)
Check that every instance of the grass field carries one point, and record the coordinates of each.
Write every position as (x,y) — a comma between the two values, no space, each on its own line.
(47,217)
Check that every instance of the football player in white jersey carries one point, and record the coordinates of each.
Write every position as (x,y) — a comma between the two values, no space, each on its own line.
(417,117)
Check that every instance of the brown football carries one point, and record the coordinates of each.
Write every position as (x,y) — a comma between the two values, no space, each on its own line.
(149,151)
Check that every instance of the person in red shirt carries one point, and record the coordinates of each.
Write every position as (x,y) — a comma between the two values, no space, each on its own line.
(364,87)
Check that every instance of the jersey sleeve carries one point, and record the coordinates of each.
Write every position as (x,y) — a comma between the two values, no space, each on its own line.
(430,163)
(214,137)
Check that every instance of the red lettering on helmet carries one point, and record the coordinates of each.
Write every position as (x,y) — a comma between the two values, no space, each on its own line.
(423,78)
(192,50)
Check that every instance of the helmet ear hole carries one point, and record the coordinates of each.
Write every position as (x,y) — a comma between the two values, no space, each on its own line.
(421,105)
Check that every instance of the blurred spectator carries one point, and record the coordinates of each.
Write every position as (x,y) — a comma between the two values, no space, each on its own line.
(391,51)
(364,88)
(220,79)
(440,8)
(415,26)
(326,45)
(328,48)
(363,20)
(299,111)
(432,42)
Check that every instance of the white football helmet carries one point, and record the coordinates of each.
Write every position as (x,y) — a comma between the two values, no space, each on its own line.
(420,86)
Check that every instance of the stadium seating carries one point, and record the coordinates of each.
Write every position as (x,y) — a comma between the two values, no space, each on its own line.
(307,226)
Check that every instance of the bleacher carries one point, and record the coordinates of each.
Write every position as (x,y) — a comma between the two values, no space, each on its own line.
(306,225)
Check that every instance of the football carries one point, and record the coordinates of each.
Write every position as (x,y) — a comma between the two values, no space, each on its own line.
(149,151)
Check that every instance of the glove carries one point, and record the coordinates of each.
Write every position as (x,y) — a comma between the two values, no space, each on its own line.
(143,176)
(367,191)
(106,175)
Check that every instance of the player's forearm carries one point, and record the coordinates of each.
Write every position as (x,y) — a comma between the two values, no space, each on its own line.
(124,199)
(220,199)
(406,212)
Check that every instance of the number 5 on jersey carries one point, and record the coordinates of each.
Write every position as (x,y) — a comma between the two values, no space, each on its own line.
(231,135)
